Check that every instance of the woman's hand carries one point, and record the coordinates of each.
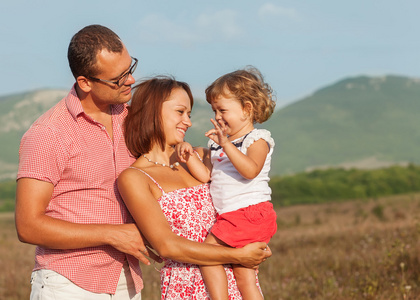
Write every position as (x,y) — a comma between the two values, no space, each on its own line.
(254,254)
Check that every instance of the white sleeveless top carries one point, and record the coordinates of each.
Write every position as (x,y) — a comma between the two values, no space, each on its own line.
(229,190)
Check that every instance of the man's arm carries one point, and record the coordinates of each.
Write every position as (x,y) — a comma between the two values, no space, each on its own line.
(35,227)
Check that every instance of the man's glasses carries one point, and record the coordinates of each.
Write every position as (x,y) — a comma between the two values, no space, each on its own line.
(123,78)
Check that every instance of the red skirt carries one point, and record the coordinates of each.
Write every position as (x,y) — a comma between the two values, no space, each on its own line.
(255,223)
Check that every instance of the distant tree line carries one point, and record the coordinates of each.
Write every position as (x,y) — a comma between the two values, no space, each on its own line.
(7,195)
(318,186)
(321,186)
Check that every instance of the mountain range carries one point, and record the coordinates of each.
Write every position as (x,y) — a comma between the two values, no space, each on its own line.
(362,122)
(357,122)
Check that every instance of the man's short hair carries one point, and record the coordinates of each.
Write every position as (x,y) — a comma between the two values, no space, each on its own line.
(86,44)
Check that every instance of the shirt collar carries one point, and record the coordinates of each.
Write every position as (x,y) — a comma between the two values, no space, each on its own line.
(75,107)
(73,103)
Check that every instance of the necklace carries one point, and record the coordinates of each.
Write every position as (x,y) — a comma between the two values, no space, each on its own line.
(163,165)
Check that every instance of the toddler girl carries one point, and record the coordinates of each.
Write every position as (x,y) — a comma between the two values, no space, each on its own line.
(237,164)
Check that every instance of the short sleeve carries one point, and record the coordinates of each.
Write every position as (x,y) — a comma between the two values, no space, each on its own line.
(209,143)
(255,135)
(41,155)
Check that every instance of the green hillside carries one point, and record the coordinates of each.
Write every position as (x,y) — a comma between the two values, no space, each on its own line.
(353,120)
(200,119)
(362,122)
(17,113)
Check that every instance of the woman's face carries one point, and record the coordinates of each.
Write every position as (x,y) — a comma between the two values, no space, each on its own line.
(176,113)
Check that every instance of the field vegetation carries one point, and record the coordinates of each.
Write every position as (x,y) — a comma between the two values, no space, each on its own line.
(332,185)
(360,249)
(342,234)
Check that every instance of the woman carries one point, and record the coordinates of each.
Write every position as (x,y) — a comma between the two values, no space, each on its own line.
(172,209)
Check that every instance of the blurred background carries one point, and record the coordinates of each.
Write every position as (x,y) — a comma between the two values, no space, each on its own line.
(345,175)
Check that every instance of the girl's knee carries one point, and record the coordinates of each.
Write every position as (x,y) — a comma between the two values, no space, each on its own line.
(245,277)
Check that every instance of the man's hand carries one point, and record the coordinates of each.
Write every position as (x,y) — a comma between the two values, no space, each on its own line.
(127,238)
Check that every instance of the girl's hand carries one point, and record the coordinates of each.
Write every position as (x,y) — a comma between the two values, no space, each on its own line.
(183,151)
(218,134)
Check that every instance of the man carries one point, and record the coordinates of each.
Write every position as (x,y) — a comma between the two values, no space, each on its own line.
(67,202)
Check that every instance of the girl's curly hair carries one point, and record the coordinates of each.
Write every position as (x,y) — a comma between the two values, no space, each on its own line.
(246,85)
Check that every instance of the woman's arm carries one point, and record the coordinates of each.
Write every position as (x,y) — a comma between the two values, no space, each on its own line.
(136,192)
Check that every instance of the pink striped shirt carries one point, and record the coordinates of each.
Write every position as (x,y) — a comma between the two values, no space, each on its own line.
(75,153)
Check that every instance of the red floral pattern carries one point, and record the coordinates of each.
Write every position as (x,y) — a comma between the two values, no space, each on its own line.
(191,214)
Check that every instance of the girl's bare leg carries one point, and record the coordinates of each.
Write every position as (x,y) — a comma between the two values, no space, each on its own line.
(215,276)
(247,283)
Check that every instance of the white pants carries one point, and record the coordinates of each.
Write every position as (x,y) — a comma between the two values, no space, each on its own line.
(49,285)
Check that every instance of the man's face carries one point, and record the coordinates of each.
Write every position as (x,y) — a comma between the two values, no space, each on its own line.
(112,66)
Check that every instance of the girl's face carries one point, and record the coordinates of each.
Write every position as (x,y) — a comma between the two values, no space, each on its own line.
(229,111)
(176,113)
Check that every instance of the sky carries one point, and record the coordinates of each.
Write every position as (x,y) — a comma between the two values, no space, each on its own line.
(299,46)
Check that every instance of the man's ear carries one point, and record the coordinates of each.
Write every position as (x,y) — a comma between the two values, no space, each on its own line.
(84,84)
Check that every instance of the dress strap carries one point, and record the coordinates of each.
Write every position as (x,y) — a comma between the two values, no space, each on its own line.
(151,178)
(198,155)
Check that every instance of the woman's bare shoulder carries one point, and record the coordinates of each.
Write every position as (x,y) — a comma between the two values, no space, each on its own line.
(133,176)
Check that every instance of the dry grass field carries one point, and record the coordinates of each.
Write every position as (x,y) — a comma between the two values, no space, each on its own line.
(351,250)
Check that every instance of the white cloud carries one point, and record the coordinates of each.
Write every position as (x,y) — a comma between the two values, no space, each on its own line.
(157,28)
(270,10)
(220,25)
